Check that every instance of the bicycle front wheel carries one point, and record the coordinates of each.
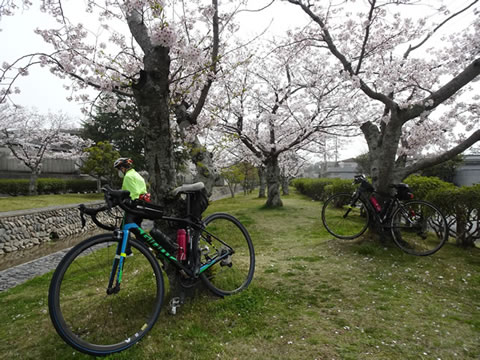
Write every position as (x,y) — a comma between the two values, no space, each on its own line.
(89,319)
(344,218)
(227,255)
(419,228)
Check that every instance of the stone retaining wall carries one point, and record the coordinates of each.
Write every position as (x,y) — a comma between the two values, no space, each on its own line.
(26,228)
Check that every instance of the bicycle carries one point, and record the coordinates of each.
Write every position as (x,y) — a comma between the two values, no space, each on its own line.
(416,226)
(103,300)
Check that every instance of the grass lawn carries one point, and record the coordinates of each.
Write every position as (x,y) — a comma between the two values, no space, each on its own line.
(31,202)
(312,297)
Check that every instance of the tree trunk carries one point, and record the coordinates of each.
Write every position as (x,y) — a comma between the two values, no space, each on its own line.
(206,170)
(263,182)
(152,98)
(273,182)
(99,185)
(285,189)
(32,186)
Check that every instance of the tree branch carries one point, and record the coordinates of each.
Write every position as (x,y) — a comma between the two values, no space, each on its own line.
(446,91)
(139,30)
(426,163)
(411,48)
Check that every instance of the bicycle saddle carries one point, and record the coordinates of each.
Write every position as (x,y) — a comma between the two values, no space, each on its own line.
(188,188)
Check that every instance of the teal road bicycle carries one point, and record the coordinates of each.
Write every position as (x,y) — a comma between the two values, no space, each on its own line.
(107,292)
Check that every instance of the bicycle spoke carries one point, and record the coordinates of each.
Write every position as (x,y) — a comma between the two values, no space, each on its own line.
(89,319)
(343,218)
(419,228)
(227,256)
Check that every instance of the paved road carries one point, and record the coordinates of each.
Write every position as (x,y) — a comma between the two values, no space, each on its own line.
(19,274)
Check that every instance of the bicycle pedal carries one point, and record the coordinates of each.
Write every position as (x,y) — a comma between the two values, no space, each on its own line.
(174,304)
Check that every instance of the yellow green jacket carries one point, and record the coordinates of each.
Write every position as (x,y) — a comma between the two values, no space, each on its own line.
(134,182)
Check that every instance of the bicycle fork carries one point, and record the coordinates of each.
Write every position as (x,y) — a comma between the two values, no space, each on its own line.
(118,262)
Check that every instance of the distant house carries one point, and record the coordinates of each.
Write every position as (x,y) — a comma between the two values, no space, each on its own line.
(12,168)
(469,172)
(344,169)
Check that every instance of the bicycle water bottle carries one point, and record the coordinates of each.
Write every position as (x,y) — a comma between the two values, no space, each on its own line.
(375,204)
(182,244)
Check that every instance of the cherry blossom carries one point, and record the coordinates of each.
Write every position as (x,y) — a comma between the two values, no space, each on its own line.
(415,74)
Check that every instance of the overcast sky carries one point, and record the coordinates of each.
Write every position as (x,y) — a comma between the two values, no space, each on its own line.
(45,92)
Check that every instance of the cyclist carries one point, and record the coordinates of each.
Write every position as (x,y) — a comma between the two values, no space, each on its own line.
(132,181)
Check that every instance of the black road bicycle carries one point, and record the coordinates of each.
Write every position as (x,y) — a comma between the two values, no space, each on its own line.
(107,291)
(416,226)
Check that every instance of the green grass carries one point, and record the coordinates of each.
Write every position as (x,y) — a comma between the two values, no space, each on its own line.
(312,297)
(32,202)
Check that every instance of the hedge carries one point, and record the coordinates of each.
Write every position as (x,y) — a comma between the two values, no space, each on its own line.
(47,186)
(321,189)
(421,186)
(461,207)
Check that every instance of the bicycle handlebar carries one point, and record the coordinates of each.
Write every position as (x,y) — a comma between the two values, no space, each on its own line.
(122,199)
(93,214)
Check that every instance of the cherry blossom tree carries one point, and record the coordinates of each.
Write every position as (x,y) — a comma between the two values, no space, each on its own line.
(414,75)
(279,103)
(160,55)
(291,165)
(31,137)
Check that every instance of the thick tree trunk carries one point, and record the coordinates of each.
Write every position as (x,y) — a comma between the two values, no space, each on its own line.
(262,176)
(383,147)
(273,183)
(152,98)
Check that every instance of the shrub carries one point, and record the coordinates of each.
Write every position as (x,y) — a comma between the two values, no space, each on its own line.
(321,189)
(461,207)
(340,186)
(421,186)
(51,185)
(81,185)
(14,186)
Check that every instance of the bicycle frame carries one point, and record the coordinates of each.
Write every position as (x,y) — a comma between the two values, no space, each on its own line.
(144,237)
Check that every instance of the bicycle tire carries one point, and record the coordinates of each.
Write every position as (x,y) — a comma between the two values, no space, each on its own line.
(343,220)
(419,228)
(235,272)
(85,316)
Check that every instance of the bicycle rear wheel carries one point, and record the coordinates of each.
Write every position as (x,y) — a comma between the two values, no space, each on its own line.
(344,219)
(419,228)
(225,239)
(85,316)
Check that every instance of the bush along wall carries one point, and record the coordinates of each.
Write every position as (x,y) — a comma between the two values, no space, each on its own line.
(26,228)
(461,207)
(16,187)
(321,189)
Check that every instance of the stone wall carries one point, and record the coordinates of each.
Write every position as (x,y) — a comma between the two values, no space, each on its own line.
(27,228)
